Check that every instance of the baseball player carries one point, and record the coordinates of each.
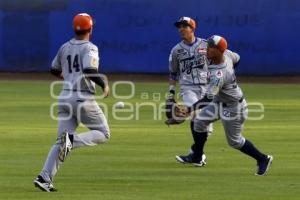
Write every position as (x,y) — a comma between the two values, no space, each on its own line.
(226,103)
(188,66)
(77,63)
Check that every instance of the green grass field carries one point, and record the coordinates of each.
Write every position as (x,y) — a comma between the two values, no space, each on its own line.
(138,162)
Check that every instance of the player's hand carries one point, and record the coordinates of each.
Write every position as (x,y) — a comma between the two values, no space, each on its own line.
(106,91)
(171,96)
(181,111)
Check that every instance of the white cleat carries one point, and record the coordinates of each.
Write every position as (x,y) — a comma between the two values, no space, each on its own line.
(65,146)
(189,160)
(43,185)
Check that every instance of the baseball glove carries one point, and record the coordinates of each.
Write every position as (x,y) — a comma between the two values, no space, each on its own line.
(175,113)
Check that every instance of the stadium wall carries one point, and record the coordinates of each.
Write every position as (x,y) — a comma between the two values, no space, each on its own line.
(136,36)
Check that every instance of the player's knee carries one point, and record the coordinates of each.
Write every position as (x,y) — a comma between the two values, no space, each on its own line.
(104,135)
(200,126)
(100,137)
(107,134)
(236,144)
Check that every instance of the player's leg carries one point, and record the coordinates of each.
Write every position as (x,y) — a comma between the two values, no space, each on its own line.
(189,97)
(66,123)
(233,119)
(207,115)
(200,94)
(91,115)
(210,129)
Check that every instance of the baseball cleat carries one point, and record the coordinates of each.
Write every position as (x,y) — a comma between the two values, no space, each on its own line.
(43,185)
(190,160)
(65,146)
(264,165)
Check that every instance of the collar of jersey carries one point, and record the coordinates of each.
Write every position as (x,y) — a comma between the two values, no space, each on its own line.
(74,41)
(190,45)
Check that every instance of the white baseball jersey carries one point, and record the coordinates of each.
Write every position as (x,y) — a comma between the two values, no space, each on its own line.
(72,58)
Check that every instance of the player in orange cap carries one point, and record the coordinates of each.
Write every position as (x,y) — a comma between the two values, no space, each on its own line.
(77,62)
(224,100)
(82,23)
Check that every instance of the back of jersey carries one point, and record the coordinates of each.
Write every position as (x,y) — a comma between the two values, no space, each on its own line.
(72,58)
(230,90)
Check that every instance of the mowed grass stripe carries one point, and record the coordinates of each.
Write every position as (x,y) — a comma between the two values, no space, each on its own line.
(138,162)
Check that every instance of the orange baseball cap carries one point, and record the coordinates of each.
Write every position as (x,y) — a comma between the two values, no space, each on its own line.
(186,21)
(218,42)
(82,22)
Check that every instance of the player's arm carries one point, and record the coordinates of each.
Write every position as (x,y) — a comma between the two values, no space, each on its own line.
(173,73)
(215,84)
(94,76)
(172,83)
(56,72)
(90,69)
(234,57)
(56,69)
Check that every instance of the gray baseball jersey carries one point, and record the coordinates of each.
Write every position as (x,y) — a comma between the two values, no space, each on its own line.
(228,103)
(189,63)
(72,58)
(222,84)
(76,102)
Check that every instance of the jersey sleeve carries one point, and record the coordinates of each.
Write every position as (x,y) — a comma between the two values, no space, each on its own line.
(216,82)
(173,65)
(90,59)
(56,62)
(234,56)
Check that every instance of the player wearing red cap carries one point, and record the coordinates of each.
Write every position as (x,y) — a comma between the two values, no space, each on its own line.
(82,23)
(77,63)
(224,100)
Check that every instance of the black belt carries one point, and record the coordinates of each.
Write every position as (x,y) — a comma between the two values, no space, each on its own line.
(79,91)
(202,84)
(239,101)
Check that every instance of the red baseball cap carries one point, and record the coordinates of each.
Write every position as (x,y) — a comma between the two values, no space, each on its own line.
(218,42)
(82,22)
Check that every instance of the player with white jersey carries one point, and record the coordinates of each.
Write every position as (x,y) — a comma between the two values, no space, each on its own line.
(188,66)
(77,63)
(224,100)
